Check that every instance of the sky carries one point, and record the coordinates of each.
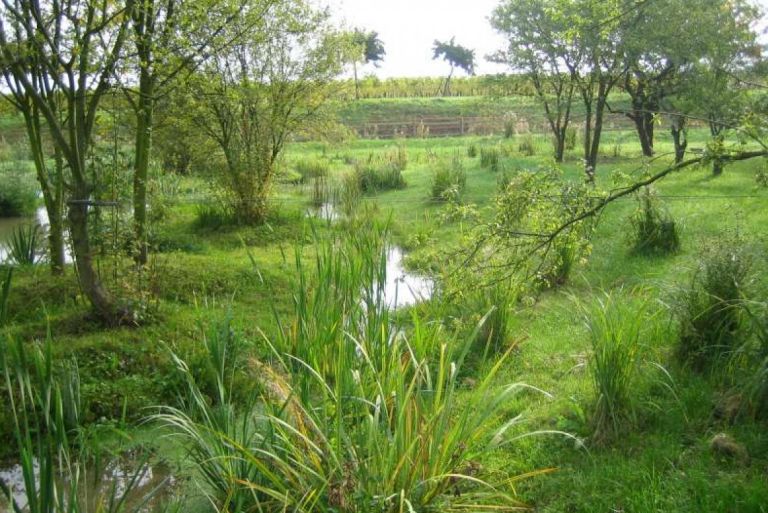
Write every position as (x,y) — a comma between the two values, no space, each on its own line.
(408,29)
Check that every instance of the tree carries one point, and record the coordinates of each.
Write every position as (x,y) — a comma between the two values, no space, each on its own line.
(170,37)
(457,56)
(75,44)
(659,61)
(50,177)
(253,96)
(371,50)
(537,47)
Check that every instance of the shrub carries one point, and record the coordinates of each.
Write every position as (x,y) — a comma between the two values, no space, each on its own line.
(708,310)
(472,151)
(615,326)
(448,180)
(526,146)
(25,245)
(490,158)
(18,193)
(654,231)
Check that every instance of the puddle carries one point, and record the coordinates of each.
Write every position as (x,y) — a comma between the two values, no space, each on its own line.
(326,212)
(97,487)
(404,288)
(9,224)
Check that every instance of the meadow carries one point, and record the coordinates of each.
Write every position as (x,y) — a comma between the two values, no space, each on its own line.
(231,302)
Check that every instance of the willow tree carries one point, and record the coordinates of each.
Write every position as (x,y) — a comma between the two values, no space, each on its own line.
(76,45)
(253,96)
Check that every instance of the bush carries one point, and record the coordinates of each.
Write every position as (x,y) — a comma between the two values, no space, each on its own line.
(653,231)
(526,146)
(448,180)
(709,309)
(614,325)
(490,158)
(18,193)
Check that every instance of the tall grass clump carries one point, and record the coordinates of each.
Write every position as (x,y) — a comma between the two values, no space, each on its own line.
(570,139)
(210,216)
(18,193)
(614,324)
(55,456)
(490,158)
(448,180)
(472,151)
(311,169)
(25,247)
(654,231)
(709,309)
(375,175)
(527,146)
(355,413)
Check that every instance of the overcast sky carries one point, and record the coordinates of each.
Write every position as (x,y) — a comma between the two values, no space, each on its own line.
(409,27)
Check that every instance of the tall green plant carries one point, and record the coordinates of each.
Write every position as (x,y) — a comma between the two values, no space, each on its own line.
(355,414)
(24,245)
(615,326)
(45,407)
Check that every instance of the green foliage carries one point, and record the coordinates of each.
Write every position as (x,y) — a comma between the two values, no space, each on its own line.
(348,399)
(448,180)
(761,175)
(212,215)
(18,193)
(709,309)
(526,146)
(311,169)
(615,325)
(55,453)
(25,247)
(490,158)
(571,136)
(382,173)
(472,151)
(5,294)
(654,230)
(536,202)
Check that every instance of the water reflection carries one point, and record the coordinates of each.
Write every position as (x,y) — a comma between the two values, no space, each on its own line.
(404,288)
(9,224)
(120,478)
